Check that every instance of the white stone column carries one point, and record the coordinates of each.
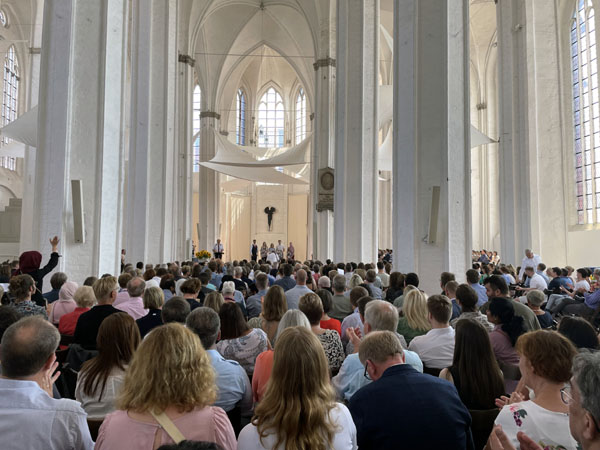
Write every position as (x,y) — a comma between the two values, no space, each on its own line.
(79,135)
(151,236)
(355,197)
(209,193)
(431,137)
(322,155)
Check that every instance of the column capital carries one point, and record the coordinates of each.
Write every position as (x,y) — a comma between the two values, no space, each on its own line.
(187,59)
(212,114)
(324,62)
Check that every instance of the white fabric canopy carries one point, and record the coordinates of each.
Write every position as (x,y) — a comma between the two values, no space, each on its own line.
(386,104)
(14,150)
(231,154)
(24,128)
(478,138)
(260,174)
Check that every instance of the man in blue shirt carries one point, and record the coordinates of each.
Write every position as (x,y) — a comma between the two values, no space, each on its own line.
(431,413)
(286,282)
(473,280)
(233,385)
(254,303)
(29,417)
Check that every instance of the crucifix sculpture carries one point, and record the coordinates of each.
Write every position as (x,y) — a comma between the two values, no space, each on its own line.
(269,210)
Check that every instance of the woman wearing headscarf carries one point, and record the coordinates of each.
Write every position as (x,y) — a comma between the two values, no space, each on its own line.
(65,303)
(29,264)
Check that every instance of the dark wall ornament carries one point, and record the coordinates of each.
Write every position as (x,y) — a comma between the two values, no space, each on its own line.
(269,211)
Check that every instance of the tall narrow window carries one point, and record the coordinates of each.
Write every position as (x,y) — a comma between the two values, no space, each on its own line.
(300,116)
(240,118)
(196,126)
(271,120)
(10,98)
(586,113)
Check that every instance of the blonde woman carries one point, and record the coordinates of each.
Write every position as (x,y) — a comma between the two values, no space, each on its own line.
(299,410)
(414,322)
(170,373)
(84,299)
(214,300)
(355,280)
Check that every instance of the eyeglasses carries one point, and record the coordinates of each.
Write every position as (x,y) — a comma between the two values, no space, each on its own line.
(565,394)
(366,374)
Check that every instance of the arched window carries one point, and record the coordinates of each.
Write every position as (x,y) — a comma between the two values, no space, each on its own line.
(240,118)
(270,120)
(586,113)
(300,116)
(196,126)
(10,99)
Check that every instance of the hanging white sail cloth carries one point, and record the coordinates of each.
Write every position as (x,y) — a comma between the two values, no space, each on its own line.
(386,104)
(23,128)
(231,154)
(478,138)
(260,174)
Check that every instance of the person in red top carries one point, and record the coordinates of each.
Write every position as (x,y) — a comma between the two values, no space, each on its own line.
(85,299)
(327,322)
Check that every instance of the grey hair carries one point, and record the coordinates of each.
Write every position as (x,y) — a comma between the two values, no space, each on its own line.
(228,287)
(26,346)
(292,318)
(339,283)
(381,316)
(535,297)
(206,324)
(136,287)
(238,271)
(586,372)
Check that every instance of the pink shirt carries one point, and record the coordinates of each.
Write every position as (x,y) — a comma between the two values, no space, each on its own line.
(502,347)
(134,307)
(60,308)
(210,424)
(122,297)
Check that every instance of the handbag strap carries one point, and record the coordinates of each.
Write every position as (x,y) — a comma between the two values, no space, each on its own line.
(168,426)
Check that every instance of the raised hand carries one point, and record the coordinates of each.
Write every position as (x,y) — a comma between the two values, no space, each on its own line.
(48,378)
(54,243)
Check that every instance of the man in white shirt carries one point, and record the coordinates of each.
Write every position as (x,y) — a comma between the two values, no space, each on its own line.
(29,417)
(218,249)
(383,275)
(530,260)
(436,348)
(536,282)
(293,295)
(280,249)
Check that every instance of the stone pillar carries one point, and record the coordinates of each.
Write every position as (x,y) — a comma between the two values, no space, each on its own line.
(431,137)
(355,192)
(209,184)
(151,195)
(322,156)
(515,223)
(79,135)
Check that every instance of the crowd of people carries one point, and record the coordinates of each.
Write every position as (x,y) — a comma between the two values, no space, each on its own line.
(260,354)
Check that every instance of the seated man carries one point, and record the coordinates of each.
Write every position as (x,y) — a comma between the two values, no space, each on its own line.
(286,281)
(233,385)
(467,300)
(341,306)
(254,302)
(134,304)
(379,316)
(434,416)
(436,347)
(86,330)
(29,417)
(370,280)
(56,281)
(175,310)
(353,320)
(293,295)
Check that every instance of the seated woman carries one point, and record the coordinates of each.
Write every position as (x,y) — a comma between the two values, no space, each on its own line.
(396,287)
(414,321)
(84,299)
(535,299)
(154,300)
(546,359)
(65,303)
(274,306)
(100,378)
(299,410)
(29,264)
(22,287)
(214,300)
(238,341)
(580,332)
(264,361)
(507,329)
(328,323)
(478,385)
(170,377)
(310,304)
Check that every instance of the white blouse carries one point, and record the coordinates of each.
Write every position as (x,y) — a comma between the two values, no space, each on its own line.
(98,408)
(344,439)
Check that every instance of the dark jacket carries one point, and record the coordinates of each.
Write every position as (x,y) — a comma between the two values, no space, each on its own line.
(408,409)
(89,323)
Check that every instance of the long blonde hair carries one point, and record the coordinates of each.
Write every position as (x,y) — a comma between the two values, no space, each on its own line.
(299,395)
(415,310)
(169,368)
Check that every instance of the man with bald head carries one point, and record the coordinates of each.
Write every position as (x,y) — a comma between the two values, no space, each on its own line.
(134,305)
(293,295)
(29,416)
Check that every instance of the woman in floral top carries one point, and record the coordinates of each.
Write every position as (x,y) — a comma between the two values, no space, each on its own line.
(23,287)
(546,360)
(311,305)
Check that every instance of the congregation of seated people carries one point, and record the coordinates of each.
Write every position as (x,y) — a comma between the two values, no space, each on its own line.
(299,355)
